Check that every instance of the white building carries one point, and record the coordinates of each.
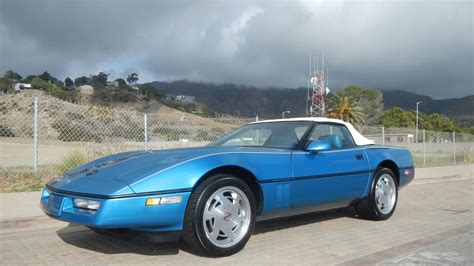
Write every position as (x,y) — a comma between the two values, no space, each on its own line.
(185,98)
(392,138)
(21,86)
(86,89)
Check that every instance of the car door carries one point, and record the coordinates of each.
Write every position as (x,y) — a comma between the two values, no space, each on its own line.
(331,178)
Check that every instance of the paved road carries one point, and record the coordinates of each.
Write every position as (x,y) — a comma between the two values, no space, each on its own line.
(451,251)
(433,224)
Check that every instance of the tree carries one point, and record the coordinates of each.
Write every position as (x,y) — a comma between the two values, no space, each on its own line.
(68,83)
(8,80)
(29,78)
(81,81)
(122,95)
(397,117)
(12,76)
(150,91)
(439,122)
(101,78)
(121,82)
(346,109)
(371,102)
(49,78)
(40,84)
(45,76)
(4,85)
(132,78)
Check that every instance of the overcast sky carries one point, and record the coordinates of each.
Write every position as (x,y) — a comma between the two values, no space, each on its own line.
(422,46)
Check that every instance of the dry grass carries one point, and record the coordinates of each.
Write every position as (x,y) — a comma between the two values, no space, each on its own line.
(463,156)
(23,178)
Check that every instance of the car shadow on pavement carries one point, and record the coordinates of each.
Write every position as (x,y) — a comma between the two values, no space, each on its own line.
(122,241)
(302,219)
(115,242)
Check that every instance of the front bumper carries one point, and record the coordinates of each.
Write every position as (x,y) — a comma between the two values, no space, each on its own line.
(129,212)
(407,174)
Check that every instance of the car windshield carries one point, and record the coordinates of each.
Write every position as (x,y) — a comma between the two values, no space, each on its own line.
(283,135)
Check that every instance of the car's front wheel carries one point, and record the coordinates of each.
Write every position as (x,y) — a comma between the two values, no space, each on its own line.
(382,200)
(220,216)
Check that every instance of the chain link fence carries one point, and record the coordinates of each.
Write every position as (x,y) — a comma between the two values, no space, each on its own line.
(428,148)
(44,138)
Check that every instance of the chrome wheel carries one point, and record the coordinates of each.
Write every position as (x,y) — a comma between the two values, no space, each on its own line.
(385,194)
(226,216)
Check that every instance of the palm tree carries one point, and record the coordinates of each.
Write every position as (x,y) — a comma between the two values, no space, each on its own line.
(346,109)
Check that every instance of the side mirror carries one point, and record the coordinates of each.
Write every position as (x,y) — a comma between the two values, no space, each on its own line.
(316,146)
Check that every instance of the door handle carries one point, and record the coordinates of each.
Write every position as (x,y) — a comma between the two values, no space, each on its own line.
(359,156)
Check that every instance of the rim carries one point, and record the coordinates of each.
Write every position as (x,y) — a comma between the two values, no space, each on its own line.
(226,216)
(385,194)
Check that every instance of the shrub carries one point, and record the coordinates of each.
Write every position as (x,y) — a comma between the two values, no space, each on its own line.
(72,161)
(71,132)
(171,134)
(74,116)
(5,131)
(203,135)
(132,131)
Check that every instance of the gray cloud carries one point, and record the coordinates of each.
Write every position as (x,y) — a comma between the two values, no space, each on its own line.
(425,47)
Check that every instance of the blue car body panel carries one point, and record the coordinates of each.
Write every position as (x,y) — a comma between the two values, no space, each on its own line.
(290,181)
(127,212)
(264,163)
(320,180)
(400,156)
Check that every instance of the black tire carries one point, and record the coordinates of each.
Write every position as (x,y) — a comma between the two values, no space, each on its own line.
(194,233)
(367,207)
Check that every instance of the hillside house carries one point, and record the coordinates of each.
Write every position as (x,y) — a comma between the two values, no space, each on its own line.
(170,97)
(112,84)
(21,86)
(186,98)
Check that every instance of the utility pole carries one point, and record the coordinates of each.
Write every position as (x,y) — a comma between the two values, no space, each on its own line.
(416,131)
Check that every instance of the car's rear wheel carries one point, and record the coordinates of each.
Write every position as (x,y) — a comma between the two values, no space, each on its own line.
(220,216)
(382,200)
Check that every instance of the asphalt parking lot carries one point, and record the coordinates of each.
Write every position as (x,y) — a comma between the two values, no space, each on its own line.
(433,223)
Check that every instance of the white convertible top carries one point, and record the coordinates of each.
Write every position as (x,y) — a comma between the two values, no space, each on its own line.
(358,138)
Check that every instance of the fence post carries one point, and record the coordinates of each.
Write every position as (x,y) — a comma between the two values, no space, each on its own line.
(424,148)
(35,135)
(383,135)
(454,147)
(145,124)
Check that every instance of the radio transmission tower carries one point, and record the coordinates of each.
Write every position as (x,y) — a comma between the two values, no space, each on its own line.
(317,88)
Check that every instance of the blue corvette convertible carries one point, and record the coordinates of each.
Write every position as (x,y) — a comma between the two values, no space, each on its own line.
(212,196)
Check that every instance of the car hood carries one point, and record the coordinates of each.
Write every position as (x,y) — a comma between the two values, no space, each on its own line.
(111,175)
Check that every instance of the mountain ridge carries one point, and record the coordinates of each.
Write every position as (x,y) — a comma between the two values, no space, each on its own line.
(460,109)
(228,98)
